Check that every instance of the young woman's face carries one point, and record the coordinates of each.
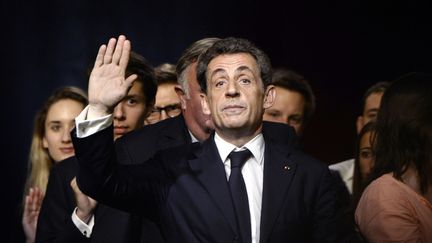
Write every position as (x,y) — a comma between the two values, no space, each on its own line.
(366,156)
(58,124)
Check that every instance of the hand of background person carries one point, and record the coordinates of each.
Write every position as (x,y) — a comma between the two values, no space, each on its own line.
(85,204)
(108,84)
(32,205)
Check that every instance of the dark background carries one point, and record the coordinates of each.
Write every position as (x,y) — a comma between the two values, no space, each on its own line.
(341,47)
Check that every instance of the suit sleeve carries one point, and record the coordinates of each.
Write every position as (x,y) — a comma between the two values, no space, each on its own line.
(329,224)
(134,188)
(55,223)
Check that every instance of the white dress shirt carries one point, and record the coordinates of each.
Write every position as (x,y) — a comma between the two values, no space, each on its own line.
(253,173)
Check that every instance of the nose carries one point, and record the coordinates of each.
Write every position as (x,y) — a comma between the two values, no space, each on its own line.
(232,89)
(66,138)
(119,113)
(163,115)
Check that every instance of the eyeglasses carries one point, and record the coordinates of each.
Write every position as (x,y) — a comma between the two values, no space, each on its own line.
(169,110)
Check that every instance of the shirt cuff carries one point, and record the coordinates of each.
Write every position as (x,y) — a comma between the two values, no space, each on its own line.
(85,128)
(85,229)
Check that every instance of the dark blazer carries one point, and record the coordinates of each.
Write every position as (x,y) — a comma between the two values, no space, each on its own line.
(185,191)
(111,225)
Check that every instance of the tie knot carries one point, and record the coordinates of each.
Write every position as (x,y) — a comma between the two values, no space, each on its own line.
(239,158)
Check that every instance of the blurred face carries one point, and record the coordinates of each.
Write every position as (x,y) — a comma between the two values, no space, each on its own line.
(370,112)
(366,156)
(167,104)
(287,108)
(59,122)
(130,113)
(235,94)
(198,123)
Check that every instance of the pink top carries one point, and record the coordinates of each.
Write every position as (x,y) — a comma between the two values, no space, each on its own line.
(390,211)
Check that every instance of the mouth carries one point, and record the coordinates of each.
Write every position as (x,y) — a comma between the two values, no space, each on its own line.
(120,130)
(233,109)
(67,150)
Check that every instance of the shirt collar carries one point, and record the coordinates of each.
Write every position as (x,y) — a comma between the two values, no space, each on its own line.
(255,146)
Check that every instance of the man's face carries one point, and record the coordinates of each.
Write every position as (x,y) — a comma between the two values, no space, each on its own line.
(287,108)
(370,112)
(200,124)
(235,93)
(130,113)
(167,104)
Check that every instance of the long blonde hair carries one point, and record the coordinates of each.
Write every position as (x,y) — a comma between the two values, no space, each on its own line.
(40,162)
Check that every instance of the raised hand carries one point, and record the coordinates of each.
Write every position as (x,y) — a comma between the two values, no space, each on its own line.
(32,205)
(108,84)
(85,204)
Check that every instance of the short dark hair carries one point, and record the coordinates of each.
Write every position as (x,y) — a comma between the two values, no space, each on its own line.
(233,45)
(289,79)
(146,76)
(404,129)
(379,87)
(166,73)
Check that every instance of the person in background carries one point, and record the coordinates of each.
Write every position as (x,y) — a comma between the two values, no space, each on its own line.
(295,101)
(51,143)
(167,103)
(397,204)
(62,218)
(371,103)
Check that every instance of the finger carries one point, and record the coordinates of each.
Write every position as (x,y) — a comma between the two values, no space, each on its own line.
(118,49)
(129,80)
(124,59)
(100,56)
(109,51)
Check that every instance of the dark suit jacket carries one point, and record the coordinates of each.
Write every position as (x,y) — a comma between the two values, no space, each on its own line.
(184,190)
(111,225)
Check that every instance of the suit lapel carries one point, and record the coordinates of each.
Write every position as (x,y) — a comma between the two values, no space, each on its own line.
(278,174)
(210,171)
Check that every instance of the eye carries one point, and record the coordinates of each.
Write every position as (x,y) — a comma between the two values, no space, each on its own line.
(55,127)
(272,113)
(131,101)
(366,154)
(219,83)
(295,120)
(245,81)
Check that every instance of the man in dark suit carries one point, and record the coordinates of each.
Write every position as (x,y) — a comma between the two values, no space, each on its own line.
(189,191)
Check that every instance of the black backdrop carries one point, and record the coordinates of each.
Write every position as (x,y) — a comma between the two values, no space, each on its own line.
(341,47)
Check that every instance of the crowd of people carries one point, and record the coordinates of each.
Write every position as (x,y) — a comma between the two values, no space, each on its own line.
(208,150)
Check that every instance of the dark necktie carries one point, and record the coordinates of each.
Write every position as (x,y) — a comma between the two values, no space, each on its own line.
(239,193)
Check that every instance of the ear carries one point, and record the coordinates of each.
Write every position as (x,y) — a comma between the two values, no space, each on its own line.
(182,96)
(269,96)
(205,104)
(359,123)
(44,142)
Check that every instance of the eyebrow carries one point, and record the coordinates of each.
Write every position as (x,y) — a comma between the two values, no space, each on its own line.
(372,110)
(236,73)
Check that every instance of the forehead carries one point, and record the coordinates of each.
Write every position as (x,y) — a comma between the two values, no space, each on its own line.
(373,101)
(64,109)
(288,100)
(137,88)
(232,62)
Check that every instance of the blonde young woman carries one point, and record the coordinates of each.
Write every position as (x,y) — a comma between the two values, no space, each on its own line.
(51,143)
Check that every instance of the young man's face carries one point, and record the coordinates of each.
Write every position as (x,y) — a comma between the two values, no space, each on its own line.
(130,113)
(235,93)
(287,108)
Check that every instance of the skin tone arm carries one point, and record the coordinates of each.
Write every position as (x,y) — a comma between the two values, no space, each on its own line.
(107,83)
(32,205)
(85,204)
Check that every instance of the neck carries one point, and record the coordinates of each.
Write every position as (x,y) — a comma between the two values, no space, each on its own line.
(238,137)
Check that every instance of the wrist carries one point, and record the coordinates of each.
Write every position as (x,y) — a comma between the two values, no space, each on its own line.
(97,111)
